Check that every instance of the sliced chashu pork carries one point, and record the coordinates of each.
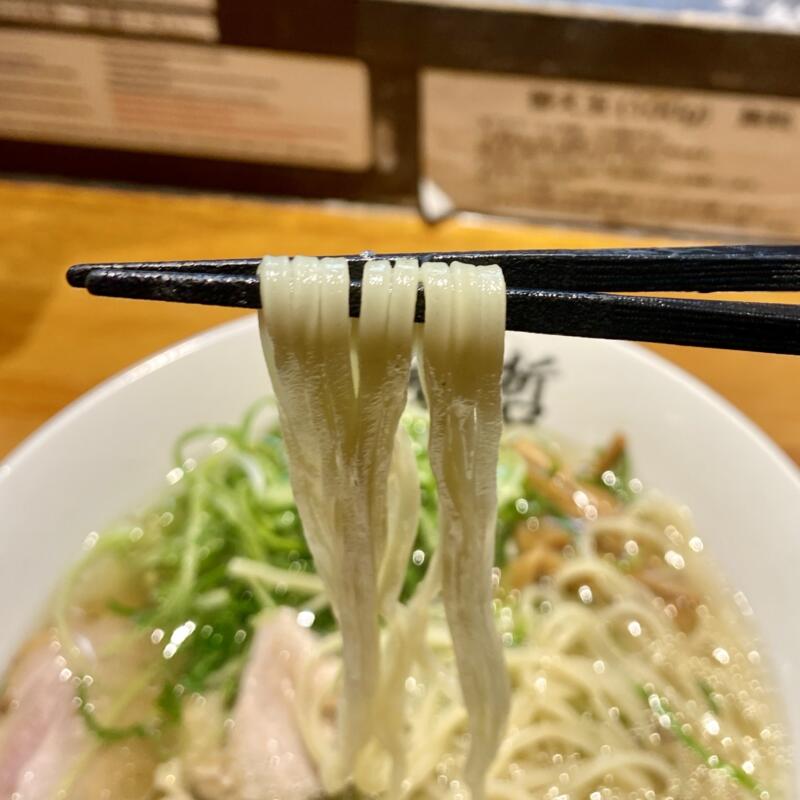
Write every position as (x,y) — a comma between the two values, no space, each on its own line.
(45,746)
(262,755)
(46,750)
(266,754)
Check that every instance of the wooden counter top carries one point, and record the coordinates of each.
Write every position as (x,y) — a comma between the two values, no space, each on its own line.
(57,342)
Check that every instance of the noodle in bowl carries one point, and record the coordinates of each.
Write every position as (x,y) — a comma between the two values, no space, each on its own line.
(585,699)
(592,621)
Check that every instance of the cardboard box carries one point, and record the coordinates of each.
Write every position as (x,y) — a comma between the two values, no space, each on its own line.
(639,115)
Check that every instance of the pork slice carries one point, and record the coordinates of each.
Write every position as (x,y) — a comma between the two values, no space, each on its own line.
(266,754)
(46,750)
(40,731)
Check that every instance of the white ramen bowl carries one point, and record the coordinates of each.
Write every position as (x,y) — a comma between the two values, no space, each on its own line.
(108,453)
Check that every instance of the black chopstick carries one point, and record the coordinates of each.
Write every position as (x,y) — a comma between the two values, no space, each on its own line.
(761,327)
(679,269)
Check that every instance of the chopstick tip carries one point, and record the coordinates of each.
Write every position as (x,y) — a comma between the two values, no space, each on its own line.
(78,273)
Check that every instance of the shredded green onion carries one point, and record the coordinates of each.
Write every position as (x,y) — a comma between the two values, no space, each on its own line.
(224,544)
(660,707)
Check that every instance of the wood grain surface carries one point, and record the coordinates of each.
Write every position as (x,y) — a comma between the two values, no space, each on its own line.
(57,342)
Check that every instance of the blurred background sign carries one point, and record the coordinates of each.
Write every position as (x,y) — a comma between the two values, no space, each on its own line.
(682,116)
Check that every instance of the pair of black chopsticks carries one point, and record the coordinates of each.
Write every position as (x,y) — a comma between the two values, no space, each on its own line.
(568,292)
